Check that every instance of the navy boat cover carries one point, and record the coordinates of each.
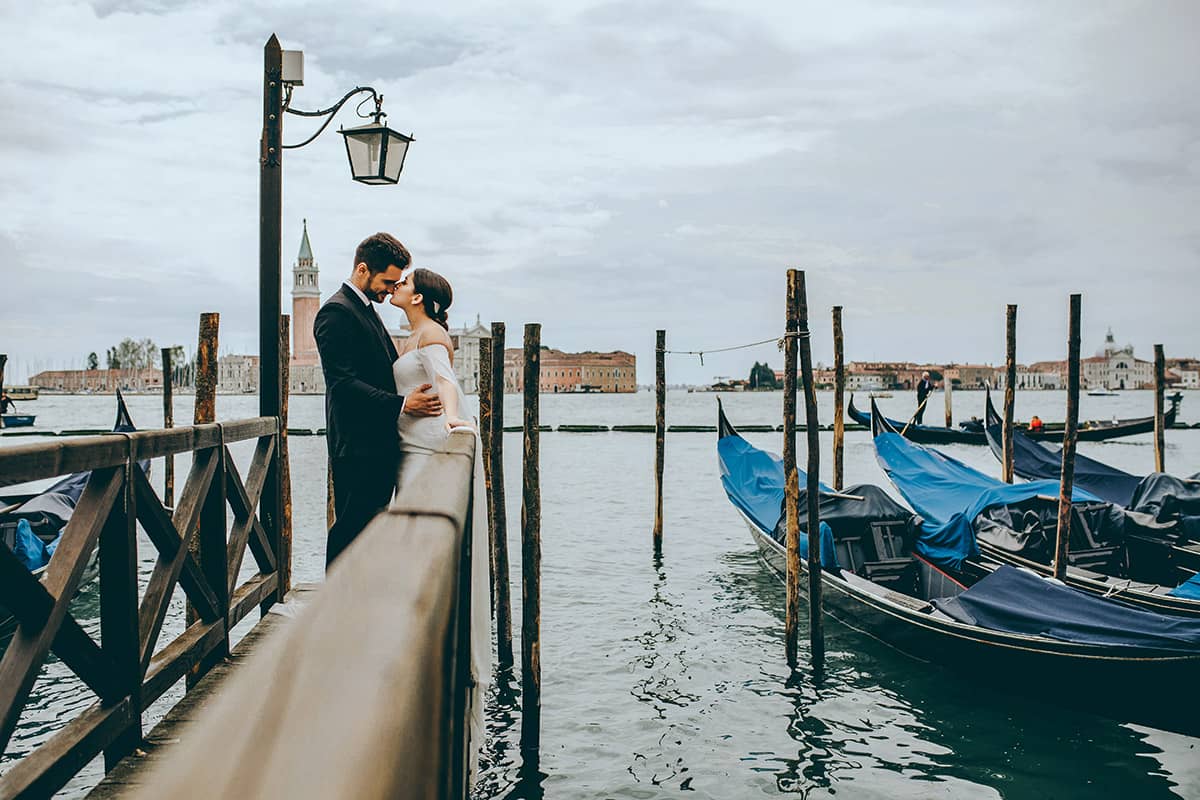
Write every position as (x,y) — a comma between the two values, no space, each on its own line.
(950,495)
(1017,601)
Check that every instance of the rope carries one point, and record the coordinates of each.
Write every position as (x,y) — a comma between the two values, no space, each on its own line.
(779,341)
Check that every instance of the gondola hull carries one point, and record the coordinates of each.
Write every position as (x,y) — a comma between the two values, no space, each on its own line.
(1089,431)
(1136,686)
(18,420)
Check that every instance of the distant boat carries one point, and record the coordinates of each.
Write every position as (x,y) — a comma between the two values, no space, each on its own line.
(17,420)
(972,432)
(1000,627)
(1105,392)
(884,395)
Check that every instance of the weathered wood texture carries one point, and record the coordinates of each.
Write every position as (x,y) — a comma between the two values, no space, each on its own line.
(790,371)
(504,647)
(948,393)
(283,539)
(1067,478)
(205,411)
(839,399)
(484,382)
(531,551)
(130,670)
(395,726)
(1160,382)
(168,399)
(816,626)
(1010,390)
(660,432)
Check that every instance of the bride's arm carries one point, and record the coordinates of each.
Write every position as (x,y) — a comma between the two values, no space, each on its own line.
(444,380)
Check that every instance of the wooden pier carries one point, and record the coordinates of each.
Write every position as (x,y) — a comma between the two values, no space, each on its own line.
(307,704)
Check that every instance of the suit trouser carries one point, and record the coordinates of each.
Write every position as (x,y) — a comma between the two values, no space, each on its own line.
(362,487)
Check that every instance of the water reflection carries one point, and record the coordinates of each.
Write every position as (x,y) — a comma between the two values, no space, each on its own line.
(897,725)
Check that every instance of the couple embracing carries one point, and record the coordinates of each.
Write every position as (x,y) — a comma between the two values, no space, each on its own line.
(388,411)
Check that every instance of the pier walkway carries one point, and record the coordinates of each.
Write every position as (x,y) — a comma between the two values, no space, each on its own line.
(356,687)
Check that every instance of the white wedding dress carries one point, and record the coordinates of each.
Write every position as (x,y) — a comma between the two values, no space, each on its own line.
(420,437)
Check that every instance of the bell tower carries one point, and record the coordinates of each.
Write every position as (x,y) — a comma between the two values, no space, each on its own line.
(306,301)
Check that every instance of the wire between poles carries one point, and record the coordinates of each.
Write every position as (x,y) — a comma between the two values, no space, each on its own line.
(780,341)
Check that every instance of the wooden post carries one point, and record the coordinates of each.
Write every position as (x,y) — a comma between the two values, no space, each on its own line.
(484,383)
(816,627)
(660,433)
(168,422)
(1160,380)
(119,610)
(948,391)
(283,542)
(790,371)
(531,553)
(1010,390)
(504,647)
(1067,479)
(839,398)
(3,363)
(330,512)
(211,514)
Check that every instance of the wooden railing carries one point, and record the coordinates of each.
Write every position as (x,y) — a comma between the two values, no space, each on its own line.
(127,670)
(365,695)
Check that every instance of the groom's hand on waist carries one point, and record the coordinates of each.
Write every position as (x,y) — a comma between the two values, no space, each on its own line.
(421,404)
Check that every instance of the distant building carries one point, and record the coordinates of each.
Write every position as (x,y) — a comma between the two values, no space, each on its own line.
(970,376)
(613,372)
(98,380)
(1115,368)
(1186,372)
(237,374)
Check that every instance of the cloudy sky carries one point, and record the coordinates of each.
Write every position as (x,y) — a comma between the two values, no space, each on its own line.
(607,169)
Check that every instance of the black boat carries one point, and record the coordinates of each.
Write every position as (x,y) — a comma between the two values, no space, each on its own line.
(1007,629)
(31,525)
(1112,552)
(972,431)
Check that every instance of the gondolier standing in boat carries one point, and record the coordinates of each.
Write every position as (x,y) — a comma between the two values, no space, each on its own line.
(361,403)
(924,389)
(7,404)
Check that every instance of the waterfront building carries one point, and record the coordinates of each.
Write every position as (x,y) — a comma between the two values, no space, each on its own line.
(1186,372)
(98,380)
(237,374)
(589,371)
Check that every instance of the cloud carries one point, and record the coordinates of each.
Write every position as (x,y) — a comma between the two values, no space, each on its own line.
(611,168)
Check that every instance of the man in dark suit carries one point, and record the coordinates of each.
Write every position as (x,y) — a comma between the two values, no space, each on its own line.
(361,404)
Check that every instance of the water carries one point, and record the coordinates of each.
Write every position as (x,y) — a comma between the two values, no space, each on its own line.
(661,678)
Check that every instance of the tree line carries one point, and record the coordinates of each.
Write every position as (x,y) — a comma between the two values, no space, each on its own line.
(134,355)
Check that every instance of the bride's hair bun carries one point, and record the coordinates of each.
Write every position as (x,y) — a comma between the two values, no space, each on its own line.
(436,294)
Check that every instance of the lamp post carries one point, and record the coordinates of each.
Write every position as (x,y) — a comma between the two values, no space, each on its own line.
(376,154)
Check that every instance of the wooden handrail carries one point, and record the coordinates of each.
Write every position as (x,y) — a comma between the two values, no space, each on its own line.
(372,701)
(31,462)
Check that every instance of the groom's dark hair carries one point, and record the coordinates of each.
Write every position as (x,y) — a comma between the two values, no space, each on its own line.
(380,251)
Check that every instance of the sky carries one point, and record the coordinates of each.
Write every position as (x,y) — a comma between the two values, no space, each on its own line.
(607,169)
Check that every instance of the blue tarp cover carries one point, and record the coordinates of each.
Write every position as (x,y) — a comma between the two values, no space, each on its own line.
(1190,589)
(753,480)
(950,495)
(29,549)
(1033,460)
(1016,601)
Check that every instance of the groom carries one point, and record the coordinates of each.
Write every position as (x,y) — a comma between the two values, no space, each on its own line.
(361,404)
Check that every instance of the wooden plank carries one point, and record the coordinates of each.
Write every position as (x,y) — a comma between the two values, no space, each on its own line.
(31,462)
(161,531)
(839,401)
(180,655)
(243,499)
(249,595)
(119,609)
(166,571)
(27,649)
(282,549)
(48,768)
(253,428)
(1010,391)
(1160,382)
(168,423)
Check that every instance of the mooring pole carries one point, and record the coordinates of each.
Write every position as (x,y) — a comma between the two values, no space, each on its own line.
(660,433)
(484,383)
(531,552)
(1010,389)
(948,391)
(1067,479)
(168,398)
(330,507)
(205,412)
(504,647)
(790,373)
(816,628)
(1160,381)
(839,399)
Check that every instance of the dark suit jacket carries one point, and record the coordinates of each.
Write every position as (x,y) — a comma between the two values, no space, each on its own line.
(361,404)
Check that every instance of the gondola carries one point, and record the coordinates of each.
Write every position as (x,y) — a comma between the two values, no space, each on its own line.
(972,432)
(1006,629)
(1167,498)
(31,526)
(1112,552)
(17,420)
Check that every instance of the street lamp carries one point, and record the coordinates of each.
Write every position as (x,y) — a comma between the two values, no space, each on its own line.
(376,154)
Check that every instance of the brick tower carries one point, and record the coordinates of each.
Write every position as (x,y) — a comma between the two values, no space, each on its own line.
(306,300)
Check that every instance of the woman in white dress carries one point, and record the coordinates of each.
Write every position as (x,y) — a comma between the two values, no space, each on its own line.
(428,358)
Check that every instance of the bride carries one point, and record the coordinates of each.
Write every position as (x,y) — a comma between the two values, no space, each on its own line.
(428,358)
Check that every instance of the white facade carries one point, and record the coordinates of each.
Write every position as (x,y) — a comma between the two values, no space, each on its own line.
(466,342)
(864,381)
(1116,368)
(237,374)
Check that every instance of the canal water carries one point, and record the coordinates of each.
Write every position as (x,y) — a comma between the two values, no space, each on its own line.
(667,677)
